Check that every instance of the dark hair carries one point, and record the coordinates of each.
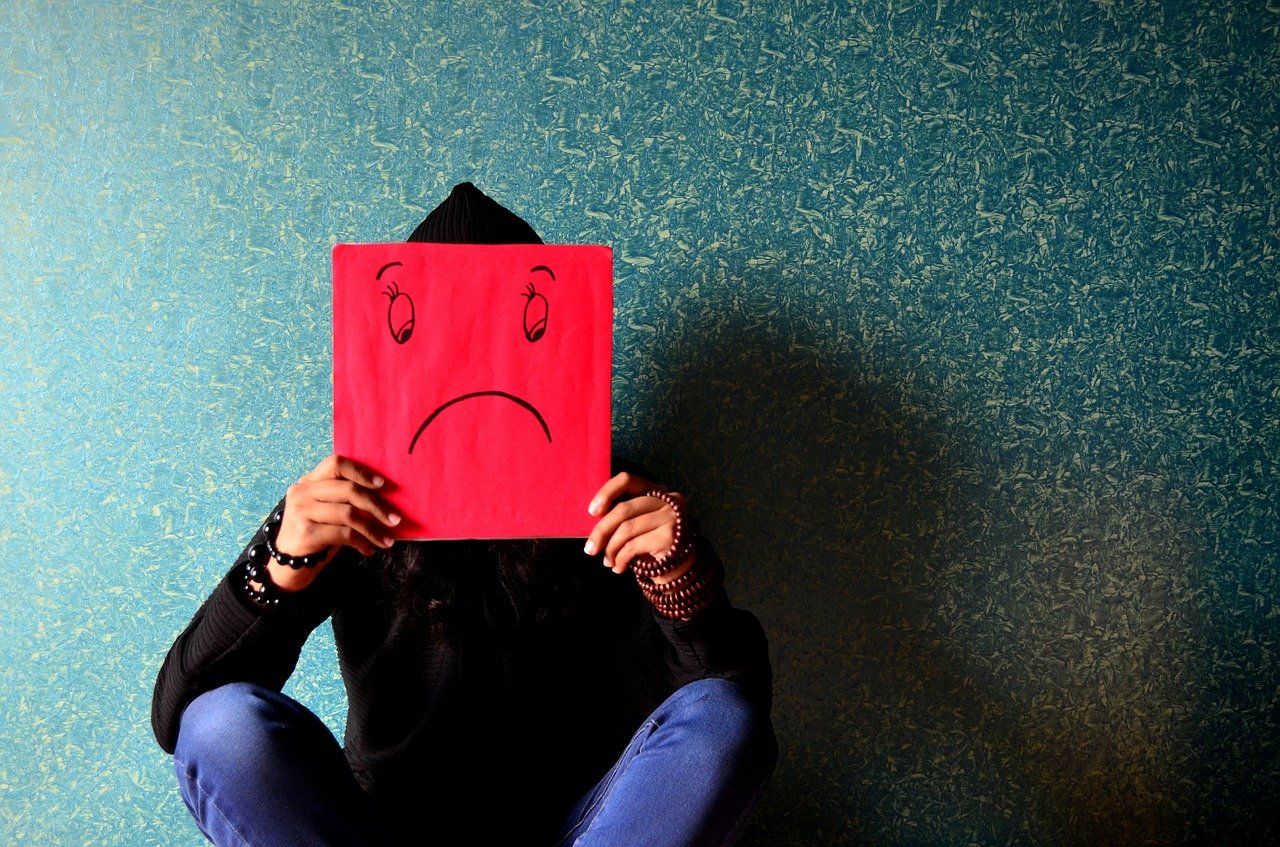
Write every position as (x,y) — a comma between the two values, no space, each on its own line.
(512,584)
(469,216)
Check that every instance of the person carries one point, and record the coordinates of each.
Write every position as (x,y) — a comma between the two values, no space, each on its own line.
(511,692)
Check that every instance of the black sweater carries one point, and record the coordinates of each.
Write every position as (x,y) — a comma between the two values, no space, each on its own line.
(525,718)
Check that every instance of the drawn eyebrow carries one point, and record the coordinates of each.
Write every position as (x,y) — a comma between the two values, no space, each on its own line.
(542,268)
(393,265)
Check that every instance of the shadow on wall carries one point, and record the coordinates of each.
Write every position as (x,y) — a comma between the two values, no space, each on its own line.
(862,529)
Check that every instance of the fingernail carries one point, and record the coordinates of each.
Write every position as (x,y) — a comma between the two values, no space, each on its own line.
(393,519)
(594,507)
(387,541)
(589,548)
(377,481)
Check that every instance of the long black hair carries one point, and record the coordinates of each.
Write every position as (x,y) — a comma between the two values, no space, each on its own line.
(514,584)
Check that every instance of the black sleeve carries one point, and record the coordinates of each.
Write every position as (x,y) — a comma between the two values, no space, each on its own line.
(720,641)
(231,639)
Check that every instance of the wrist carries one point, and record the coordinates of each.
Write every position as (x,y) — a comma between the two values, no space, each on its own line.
(270,535)
(680,568)
(270,573)
(687,594)
(290,580)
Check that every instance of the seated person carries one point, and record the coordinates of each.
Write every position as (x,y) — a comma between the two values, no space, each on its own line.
(509,692)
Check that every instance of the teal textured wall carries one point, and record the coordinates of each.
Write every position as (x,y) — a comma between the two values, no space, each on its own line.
(957,321)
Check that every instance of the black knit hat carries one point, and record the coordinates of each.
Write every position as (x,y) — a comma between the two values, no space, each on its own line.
(469,216)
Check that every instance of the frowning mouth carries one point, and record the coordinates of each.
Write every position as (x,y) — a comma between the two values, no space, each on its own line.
(524,404)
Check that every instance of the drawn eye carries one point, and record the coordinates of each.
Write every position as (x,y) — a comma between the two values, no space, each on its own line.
(535,314)
(399,313)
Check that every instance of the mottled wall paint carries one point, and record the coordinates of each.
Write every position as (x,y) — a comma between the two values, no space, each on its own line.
(958,322)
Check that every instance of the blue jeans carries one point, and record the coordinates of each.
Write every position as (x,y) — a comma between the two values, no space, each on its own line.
(257,768)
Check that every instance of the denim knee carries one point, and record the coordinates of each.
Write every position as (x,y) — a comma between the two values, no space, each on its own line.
(225,723)
(737,730)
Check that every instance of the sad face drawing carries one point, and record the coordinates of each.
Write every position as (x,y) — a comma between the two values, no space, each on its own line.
(532,332)
(476,379)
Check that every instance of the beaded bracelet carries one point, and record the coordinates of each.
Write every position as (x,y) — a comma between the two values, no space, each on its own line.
(271,529)
(648,565)
(685,579)
(255,570)
(700,579)
(690,598)
(260,554)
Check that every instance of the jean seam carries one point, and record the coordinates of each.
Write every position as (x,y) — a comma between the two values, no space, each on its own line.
(194,781)
(614,773)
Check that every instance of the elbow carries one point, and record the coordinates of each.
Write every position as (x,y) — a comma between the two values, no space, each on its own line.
(166,733)
(164,718)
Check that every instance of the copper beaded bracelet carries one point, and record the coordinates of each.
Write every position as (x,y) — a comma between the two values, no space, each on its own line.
(693,596)
(693,590)
(647,565)
(694,599)
(656,588)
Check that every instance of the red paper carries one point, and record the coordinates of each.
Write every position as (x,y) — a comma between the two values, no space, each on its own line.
(475,379)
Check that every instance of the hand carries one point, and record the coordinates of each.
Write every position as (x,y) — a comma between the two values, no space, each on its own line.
(333,506)
(634,526)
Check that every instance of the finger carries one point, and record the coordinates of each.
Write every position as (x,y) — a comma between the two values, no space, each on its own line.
(327,521)
(652,542)
(346,491)
(304,537)
(327,469)
(623,483)
(607,525)
(649,533)
(356,472)
(340,467)
(630,528)
(311,536)
(345,536)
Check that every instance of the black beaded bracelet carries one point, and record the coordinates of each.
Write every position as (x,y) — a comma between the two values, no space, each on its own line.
(255,570)
(271,529)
